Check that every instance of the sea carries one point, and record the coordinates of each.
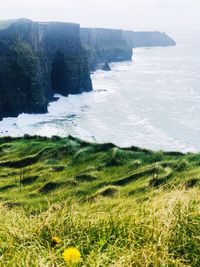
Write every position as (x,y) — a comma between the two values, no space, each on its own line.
(151,102)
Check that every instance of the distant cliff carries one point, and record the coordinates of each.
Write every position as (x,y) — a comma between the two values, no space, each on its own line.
(148,39)
(105,45)
(37,60)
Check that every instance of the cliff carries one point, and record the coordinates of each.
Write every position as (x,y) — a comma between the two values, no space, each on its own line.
(147,39)
(38,60)
(105,45)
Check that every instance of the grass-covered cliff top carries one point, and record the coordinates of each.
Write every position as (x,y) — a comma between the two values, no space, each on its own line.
(118,207)
(5,23)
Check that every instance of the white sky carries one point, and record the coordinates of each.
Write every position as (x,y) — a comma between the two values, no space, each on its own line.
(127,14)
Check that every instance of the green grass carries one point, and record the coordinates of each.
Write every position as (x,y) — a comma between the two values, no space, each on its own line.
(119,207)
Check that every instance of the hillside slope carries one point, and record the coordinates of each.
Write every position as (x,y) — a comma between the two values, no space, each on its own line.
(119,207)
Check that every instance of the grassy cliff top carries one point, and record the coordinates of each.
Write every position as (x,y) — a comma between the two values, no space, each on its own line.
(6,23)
(119,207)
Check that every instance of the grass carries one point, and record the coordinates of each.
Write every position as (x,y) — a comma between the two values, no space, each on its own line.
(119,207)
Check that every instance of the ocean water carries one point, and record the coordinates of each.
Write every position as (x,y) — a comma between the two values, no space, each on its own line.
(151,102)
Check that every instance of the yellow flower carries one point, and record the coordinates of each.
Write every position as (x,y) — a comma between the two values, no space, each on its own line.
(55,241)
(71,255)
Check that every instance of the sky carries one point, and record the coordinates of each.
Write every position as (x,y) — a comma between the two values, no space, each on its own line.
(160,15)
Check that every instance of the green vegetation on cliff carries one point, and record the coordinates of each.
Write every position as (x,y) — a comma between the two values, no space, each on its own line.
(118,207)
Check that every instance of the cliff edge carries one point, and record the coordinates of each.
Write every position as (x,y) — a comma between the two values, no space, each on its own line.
(148,39)
(105,45)
(38,60)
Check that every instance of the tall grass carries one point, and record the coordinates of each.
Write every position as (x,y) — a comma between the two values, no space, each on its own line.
(162,231)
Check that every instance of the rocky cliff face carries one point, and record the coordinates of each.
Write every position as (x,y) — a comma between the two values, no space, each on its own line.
(105,45)
(37,60)
(148,39)
(66,59)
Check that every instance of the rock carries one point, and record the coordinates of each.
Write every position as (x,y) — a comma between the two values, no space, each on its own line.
(148,39)
(105,45)
(38,60)
(106,67)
